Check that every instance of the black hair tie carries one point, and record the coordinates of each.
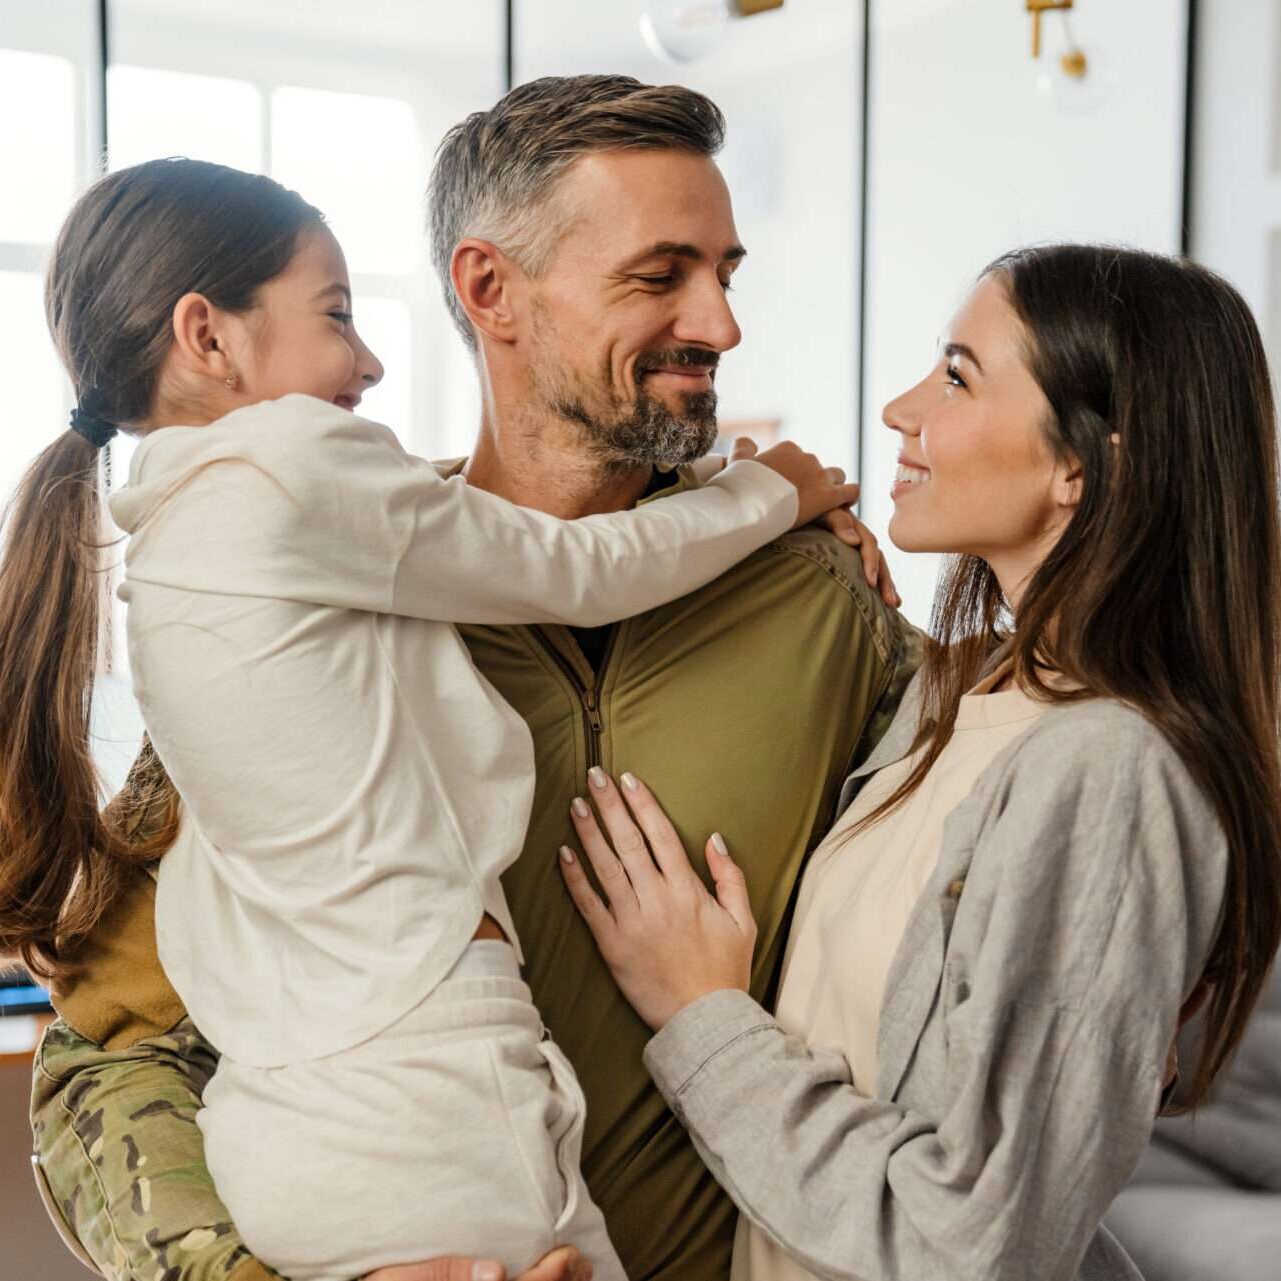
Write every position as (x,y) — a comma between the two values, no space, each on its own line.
(89,420)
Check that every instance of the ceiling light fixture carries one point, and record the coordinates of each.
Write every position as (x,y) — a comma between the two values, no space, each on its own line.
(686,30)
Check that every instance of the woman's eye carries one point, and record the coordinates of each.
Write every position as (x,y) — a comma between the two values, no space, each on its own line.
(343,317)
(954,377)
(669,279)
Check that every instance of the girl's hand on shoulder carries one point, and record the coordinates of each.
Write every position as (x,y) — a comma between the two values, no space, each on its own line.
(842,522)
(666,940)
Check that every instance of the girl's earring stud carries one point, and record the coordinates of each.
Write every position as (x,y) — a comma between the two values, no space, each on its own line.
(232,381)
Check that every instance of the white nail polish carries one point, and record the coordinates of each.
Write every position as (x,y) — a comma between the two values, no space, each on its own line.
(629,782)
(580,807)
(596,777)
(718,843)
(566,854)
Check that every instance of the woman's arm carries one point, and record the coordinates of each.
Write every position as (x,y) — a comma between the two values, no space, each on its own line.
(1050,1054)
(304,501)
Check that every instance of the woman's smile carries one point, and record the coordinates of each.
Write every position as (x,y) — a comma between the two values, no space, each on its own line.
(907,477)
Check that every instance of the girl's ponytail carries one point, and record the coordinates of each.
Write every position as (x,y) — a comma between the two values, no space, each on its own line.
(52,591)
(134,244)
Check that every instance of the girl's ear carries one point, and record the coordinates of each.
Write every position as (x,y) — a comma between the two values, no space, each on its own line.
(199,344)
(487,284)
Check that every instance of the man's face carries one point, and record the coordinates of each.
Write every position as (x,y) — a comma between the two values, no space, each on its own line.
(630,318)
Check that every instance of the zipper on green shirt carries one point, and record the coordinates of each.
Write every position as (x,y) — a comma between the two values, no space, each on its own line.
(586,690)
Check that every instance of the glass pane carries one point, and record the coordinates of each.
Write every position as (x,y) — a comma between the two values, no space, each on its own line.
(37,155)
(115,722)
(33,389)
(387,328)
(170,113)
(356,158)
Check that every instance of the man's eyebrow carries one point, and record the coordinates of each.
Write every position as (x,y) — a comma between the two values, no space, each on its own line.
(336,288)
(966,353)
(678,249)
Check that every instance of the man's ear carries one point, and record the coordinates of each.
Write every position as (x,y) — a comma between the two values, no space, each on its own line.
(198,345)
(486,281)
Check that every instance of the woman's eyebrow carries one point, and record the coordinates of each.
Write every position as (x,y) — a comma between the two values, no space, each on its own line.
(966,353)
(335,288)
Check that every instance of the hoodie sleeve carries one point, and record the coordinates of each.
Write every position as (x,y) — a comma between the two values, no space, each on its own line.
(303,501)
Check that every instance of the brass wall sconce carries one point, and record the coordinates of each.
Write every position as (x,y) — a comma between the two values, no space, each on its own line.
(1074,62)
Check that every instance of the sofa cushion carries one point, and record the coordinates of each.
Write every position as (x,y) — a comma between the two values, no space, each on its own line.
(1238,1130)
(1198,1233)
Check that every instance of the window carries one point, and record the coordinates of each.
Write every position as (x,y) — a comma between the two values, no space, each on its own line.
(39,158)
(40,161)
(154,113)
(33,388)
(346,109)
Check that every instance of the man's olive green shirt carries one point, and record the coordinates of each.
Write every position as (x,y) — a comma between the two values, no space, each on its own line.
(743,705)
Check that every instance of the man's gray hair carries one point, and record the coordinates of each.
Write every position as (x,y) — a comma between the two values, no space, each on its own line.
(496,171)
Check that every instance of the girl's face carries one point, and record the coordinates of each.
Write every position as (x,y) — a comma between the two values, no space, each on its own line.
(301,336)
(976,474)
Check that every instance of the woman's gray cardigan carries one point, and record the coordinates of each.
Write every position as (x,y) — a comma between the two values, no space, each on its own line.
(1023,1032)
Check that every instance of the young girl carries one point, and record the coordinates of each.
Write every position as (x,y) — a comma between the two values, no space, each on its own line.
(1069,836)
(330,910)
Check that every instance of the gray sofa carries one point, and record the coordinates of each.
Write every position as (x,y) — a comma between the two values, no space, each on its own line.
(1205,1202)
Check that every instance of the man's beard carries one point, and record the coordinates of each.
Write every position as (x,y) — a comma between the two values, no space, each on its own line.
(644,432)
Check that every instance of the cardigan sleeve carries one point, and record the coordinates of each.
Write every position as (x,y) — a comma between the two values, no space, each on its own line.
(302,501)
(1110,870)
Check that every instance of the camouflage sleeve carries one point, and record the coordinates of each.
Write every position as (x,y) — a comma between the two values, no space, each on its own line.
(119,1159)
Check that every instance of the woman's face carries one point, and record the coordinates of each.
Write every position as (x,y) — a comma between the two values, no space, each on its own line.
(976,474)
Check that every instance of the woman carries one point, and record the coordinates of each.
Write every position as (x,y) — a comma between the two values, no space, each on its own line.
(1069,835)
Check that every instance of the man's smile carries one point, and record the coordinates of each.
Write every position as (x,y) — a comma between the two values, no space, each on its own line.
(688,378)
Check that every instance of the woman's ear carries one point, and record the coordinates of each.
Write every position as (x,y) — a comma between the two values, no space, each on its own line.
(199,339)
(1068,479)
(487,282)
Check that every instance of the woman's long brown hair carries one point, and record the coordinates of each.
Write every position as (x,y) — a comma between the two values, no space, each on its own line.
(1164,591)
(132,246)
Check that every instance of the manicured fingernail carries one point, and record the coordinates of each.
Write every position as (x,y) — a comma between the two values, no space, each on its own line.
(566,854)
(487,1270)
(596,777)
(629,782)
(580,807)
(718,843)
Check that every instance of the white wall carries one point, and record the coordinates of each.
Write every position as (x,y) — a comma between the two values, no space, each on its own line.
(971,155)
(1236,156)
(789,84)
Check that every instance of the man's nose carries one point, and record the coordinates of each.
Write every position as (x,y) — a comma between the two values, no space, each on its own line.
(706,318)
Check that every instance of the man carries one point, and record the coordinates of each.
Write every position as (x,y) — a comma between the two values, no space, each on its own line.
(585,241)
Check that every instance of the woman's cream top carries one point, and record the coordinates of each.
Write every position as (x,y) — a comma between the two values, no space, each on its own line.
(853,908)
(352,787)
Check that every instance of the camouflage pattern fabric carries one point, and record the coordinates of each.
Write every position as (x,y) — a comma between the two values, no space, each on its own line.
(119,1162)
